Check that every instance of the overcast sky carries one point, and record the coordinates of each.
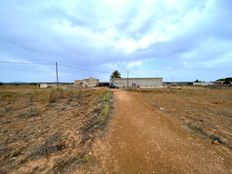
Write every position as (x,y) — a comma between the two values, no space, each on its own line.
(180,39)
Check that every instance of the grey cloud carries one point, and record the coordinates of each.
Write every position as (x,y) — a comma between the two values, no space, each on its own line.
(26,32)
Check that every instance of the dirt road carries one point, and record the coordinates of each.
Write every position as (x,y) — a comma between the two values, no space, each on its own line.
(142,139)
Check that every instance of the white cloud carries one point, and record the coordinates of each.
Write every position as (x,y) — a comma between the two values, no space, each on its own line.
(134,64)
(120,34)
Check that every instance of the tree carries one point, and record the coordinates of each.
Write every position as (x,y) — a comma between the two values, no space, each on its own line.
(115,74)
(227,81)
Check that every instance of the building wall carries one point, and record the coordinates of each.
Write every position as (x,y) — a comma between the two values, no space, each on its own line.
(91,82)
(140,82)
(77,82)
(43,85)
(202,83)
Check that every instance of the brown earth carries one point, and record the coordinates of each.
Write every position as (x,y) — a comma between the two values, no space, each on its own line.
(146,138)
(151,131)
(49,131)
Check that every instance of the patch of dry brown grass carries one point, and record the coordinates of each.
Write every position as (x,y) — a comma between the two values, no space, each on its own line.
(40,124)
(206,112)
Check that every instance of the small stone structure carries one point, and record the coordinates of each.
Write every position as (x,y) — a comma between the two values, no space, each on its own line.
(90,82)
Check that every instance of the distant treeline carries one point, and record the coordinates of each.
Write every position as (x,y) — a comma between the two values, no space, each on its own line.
(227,80)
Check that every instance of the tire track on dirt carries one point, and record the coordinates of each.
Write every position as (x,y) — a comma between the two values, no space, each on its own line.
(141,139)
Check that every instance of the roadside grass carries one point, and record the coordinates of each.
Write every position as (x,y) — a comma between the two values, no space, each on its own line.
(101,114)
(103,103)
(105,108)
(7,95)
(59,93)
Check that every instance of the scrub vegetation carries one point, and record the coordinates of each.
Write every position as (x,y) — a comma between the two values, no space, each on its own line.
(50,130)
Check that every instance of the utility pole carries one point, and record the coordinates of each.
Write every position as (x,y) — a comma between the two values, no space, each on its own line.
(127,79)
(57,78)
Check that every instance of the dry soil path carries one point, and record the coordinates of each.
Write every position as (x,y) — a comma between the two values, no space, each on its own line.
(142,139)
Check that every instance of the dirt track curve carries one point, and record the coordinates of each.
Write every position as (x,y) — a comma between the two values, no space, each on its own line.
(142,139)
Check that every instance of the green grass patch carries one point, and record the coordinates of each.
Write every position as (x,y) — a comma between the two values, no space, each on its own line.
(105,108)
(6,95)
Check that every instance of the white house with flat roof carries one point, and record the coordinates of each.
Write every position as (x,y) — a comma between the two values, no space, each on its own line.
(138,82)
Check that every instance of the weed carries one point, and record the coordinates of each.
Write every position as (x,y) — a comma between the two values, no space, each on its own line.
(30,112)
(197,129)
(84,110)
(105,108)
(225,113)
(33,111)
(104,114)
(52,144)
(70,163)
(7,95)
(59,93)
(204,134)
(56,94)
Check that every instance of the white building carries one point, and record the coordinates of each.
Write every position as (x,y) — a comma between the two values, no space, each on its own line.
(138,82)
(47,85)
(202,83)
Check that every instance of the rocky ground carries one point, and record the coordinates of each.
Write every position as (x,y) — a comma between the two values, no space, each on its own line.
(50,131)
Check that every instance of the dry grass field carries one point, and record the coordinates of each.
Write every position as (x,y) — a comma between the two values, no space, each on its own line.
(205,112)
(184,130)
(50,130)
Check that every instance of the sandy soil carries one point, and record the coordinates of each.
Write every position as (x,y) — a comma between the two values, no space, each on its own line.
(49,131)
(144,139)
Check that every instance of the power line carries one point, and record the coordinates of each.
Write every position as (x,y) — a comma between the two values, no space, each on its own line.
(68,66)
(84,69)
(63,65)
(29,63)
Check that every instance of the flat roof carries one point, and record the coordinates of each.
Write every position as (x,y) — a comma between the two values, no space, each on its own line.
(148,78)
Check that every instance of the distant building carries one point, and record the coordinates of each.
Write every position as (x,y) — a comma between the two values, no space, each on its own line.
(178,83)
(54,84)
(43,85)
(202,83)
(77,82)
(138,82)
(47,85)
(90,82)
(219,82)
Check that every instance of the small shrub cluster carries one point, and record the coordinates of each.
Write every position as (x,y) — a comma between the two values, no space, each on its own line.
(105,108)
(100,116)
(59,93)
(52,144)
(30,112)
(70,163)
(7,95)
